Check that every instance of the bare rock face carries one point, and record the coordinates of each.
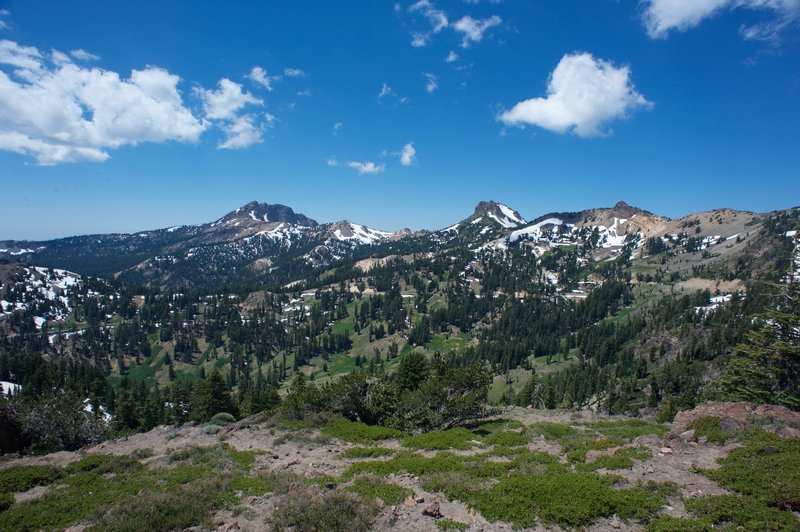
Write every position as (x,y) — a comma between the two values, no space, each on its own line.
(734,417)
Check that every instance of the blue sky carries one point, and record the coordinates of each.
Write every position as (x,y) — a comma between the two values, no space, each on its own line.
(124,116)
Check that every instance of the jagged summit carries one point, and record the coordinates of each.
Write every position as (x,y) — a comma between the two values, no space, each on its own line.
(265,212)
(623,210)
(500,213)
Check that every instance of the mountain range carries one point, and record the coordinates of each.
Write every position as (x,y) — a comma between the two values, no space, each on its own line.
(271,243)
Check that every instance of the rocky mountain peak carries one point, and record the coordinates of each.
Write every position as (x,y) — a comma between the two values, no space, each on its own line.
(266,213)
(500,213)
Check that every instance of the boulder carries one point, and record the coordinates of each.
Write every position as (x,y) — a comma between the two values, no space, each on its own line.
(433,510)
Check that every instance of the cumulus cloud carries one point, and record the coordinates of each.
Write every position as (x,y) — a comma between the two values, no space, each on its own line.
(583,94)
(473,29)
(225,105)
(431,83)
(337,127)
(227,100)
(367,167)
(241,132)
(662,16)
(452,57)
(58,112)
(408,155)
(332,161)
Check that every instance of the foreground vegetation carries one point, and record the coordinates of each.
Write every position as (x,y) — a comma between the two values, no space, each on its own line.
(491,467)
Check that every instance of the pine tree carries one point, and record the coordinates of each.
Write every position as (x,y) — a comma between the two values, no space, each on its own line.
(767,368)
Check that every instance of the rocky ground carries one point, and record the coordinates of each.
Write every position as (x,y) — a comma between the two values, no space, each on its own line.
(308,453)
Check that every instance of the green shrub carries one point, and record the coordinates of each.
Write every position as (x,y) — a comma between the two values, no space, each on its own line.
(23,478)
(767,469)
(334,510)
(710,427)
(622,459)
(104,463)
(181,507)
(357,432)
(222,418)
(519,498)
(449,524)
(6,500)
(366,452)
(255,486)
(371,487)
(457,438)
(499,425)
(742,512)
(552,431)
(211,429)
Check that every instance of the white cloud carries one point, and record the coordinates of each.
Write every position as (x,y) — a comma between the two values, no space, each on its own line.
(59,112)
(225,105)
(367,167)
(662,16)
(332,161)
(294,73)
(436,18)
(583,94)
(259,76)
(409,155)
(3,25)
(225,102)
(337,127)
(451,57)
(386,90)
(27,58)
(83,55)
(431,83)
(242,132)
(473,29)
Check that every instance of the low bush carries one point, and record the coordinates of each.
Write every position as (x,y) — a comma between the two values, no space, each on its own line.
(742,513)
(23,478)
(181,507)
(710,427)
(767,469)
(102,464)
(334,510)
(499,425)
(357,432)
(6,500)
(457,438)
(622,459)
(371,487)
(366,452)
(222,418)
(450,524)
(211,429)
